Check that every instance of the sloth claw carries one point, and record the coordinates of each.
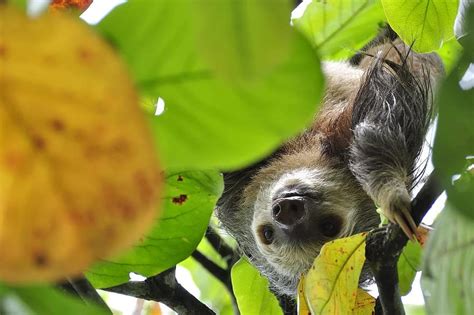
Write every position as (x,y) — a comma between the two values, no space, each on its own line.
(398,212)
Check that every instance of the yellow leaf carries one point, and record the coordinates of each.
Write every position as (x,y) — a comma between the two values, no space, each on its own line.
(79,179)
(303,308)
(365,303)
(331,284)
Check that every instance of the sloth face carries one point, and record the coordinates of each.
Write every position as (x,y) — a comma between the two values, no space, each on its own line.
(298,203)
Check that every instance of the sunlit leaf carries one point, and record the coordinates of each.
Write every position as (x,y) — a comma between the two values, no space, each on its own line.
(424,23)
(331,284)
(187,206)
(338,28)
(79,177)
(251,291)
(42,300)
(209,120)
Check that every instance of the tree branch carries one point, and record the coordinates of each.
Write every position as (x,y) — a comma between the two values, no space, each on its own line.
(228,255)
(384,246)
(82,288)
(165,289)
(221,274)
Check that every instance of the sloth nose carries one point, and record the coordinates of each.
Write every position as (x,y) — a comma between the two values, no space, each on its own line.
(289,211)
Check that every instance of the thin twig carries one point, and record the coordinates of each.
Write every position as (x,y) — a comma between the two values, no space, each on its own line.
(220,246)
(82,288)
(221,274)
(165,289)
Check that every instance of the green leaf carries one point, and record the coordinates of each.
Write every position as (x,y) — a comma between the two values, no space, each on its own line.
(423,23)
(188,203)
(42,300)
(454,141)
(235,36)
(217,114)
(22,4)
(338,28)
(450,53)
(408,265)
(411,309)
(251,291)
(447,276)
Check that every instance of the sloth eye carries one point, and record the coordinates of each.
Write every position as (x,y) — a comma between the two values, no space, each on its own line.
(330,226)
(267,234)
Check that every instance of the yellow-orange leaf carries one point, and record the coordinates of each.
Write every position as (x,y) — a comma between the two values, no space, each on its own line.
(80,5)
(331,284)
(365,303)
(303,308)
(78,175)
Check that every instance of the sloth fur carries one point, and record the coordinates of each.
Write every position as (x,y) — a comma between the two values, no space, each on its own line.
(360,151)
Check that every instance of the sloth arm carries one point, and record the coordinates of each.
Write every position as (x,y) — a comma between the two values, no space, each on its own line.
(390,117)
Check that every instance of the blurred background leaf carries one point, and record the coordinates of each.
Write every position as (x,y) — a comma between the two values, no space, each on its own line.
(217,119)
(448,275)
(42,299)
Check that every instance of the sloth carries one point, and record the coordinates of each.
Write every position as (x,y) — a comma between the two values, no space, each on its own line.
(360,153)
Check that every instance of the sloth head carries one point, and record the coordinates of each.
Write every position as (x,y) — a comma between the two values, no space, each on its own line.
(282,210)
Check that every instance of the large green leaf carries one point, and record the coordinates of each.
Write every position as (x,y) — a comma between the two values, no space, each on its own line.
(423,23)
(408,265)
(226,104)
(188,203)
(42,300)
(454,141)
(251,291)
(338,28)
(448,275)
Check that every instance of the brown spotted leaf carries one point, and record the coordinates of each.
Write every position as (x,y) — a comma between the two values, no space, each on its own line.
(78,174)
(331,285)
(365,303)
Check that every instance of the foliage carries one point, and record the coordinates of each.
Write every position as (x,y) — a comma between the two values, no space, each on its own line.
(425,24)
(237,81)
(215,116)
(447,274)
(337,29)
(187,206)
